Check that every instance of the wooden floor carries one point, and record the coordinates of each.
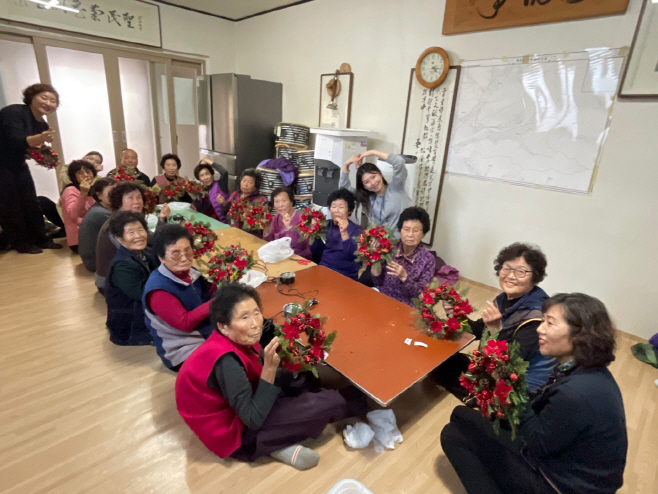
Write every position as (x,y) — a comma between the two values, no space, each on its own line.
(79,414)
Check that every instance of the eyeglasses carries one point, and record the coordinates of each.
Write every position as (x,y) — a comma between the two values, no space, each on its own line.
(178,255)
(409,230)
(520,273)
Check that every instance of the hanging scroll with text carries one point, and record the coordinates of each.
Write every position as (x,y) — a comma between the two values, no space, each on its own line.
(135,21)
(465,16)
(427,126)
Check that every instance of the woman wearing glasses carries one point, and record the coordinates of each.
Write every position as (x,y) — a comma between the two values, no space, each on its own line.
(176,298)
(514,315)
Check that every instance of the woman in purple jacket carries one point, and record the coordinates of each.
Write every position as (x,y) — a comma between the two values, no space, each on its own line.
(413,265)
(212,203)
(285,221)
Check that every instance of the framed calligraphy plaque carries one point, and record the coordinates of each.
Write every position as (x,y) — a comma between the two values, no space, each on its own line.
(640,78)
(465,16)
(135,21)
(427,127)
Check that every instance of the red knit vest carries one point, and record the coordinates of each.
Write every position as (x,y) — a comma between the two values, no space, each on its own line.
(205,410)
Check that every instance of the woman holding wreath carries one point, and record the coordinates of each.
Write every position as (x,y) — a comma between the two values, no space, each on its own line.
(21,127)
(285,221)
(235,402)
(212,203)
(514,315)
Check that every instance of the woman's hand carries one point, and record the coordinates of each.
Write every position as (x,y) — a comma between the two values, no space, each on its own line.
(492,318)
(342,224)
(39,139)
(85,186)
(164,212)
(220,199)
(397,270)
(287,220)
(357,158)
(373,152)
(271,361)
(206,160)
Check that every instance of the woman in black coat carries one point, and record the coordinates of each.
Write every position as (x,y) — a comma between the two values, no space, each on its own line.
(572,439)
(21,127)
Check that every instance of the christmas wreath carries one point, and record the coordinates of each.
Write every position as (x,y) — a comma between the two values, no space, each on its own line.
(122,174)
(496,380)
(295,355)
(257,217)
(203,238)
(150,200)
(195,188)
(237,210)
(436,327)
(368,255)
(174,190)
(229,264)
(44,156)
(313,225)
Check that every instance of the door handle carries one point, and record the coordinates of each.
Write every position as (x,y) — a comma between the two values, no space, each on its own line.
(123,134)
(115,135)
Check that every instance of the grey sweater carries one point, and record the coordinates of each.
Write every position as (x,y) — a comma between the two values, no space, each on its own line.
(88,233)
(385,209)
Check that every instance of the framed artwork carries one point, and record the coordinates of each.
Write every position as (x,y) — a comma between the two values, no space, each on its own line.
(462,16)
(336,100)
(640,77)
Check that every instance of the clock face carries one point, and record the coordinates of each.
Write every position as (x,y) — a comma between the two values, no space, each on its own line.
(431,67)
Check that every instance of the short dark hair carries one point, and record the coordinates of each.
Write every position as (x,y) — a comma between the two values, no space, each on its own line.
(117,193)
(415,213)
(255,174)
(591,330)
(226,298)
(532,255)
(76,166)
(281,190)
(362,194)
(345,195)
(203,166)
(170,156)
(167,235)
(99,186)
(95,153)
(120,219)
(31,91)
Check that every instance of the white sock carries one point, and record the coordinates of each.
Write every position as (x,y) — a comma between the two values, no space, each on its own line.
(297,456)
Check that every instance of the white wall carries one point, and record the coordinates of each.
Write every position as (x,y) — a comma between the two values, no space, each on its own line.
(191,33)
(603,244)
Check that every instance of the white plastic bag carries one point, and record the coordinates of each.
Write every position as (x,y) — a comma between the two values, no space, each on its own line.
(386,431)
(253,278)
(276,250)
(358,436)
(179,206)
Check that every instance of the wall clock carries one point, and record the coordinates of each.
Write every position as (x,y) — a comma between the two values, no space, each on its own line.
(432,67)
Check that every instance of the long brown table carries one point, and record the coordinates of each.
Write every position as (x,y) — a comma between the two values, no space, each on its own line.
(369,349)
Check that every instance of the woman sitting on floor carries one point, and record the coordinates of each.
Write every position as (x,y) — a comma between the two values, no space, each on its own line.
(76,200)
(176,298)
(284,222)
(413,265)
(249,191)
(127,275)
(337,252)
(94,158)
(232,401)
(212,203)
(94,221)
(514,315)
(573,438)
(170,164)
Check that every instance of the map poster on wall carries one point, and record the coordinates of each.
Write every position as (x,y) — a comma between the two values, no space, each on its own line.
(538,121)
(462,16)
(426,134)
(135,21)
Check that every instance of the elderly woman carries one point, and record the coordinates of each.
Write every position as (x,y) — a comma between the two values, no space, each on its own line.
(213,202)
(337,252)
(231,400)
(94,158)
(248,191)
(284,222)
(170,164)
(127,274)
(573,438)
(413,265)
(126,196)
(94,221)
(514,315)
(176,298)
(76,200)
(382,202)
(21,127)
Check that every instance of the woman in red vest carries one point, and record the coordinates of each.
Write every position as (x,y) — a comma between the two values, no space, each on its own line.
(233,400)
